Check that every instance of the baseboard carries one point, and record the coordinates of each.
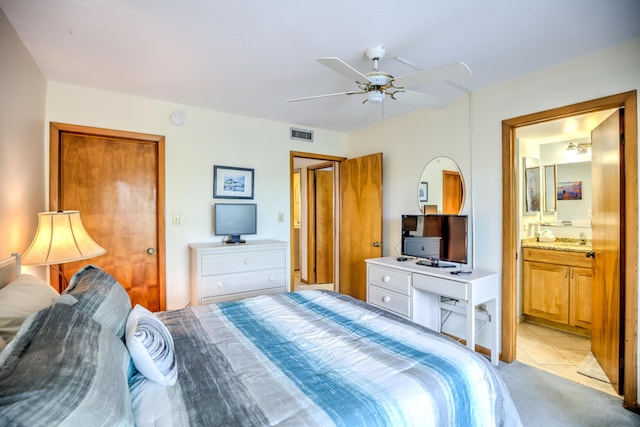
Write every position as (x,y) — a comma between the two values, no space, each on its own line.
(478,348)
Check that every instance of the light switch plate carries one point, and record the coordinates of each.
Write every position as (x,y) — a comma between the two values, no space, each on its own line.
(175,218)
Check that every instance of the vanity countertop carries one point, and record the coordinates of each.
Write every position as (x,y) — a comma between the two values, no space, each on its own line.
(560,244)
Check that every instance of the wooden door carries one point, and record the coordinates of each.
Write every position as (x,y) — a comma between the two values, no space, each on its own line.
(361,220)
(452,192)
(546,291)
(324,226)
(115,180)
(608,239)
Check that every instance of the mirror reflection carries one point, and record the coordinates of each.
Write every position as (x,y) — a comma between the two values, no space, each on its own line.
(441,187)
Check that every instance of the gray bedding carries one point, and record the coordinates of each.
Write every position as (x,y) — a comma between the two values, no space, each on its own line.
(311,358)
(319,358)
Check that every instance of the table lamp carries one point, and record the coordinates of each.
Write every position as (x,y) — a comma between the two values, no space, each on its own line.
(60,238)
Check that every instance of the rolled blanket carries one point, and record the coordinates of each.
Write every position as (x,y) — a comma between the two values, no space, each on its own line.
(151,346)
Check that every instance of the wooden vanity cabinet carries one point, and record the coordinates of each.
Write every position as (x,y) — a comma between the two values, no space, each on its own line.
(557,286)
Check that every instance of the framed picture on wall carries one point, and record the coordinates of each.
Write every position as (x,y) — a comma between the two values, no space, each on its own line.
(570,190)
(423,192)
(232,183)
(532,190)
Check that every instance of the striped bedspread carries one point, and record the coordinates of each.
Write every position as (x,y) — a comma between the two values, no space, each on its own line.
(317,358)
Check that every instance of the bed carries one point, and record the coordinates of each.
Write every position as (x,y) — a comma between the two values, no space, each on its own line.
(311,358)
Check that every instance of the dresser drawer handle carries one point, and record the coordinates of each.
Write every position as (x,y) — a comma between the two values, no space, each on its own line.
(386,298)
(386,279)
(220,284)
(271,279)
(247,261)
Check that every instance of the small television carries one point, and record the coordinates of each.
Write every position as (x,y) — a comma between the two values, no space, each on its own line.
(233,220)
(436,238)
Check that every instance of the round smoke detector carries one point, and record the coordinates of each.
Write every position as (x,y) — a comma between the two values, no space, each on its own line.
(177,118)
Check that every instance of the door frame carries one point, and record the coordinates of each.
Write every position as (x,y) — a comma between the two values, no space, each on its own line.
(312,243)
(628,101)
(55,129)
(335,160)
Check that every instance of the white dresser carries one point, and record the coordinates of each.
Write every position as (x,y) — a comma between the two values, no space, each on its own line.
(221,272)
(420,293)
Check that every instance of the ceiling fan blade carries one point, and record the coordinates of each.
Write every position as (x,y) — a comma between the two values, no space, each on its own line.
(323,96)
(341,67)
(420,99)
(451,72)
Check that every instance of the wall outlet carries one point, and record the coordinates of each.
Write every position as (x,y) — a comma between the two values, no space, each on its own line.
(280,217)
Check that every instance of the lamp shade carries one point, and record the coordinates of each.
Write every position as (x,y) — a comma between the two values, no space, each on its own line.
(60,237)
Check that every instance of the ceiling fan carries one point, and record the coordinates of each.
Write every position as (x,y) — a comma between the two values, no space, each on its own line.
(376,85)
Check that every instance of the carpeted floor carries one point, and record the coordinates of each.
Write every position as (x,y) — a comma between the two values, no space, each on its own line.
(547,400)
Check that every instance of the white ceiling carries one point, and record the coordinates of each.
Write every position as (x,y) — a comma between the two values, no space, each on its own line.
(247,57)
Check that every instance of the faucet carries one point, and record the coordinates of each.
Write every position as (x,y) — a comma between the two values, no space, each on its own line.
(583,238)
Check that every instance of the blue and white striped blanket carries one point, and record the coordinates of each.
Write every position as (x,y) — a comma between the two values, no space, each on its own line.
(317,358)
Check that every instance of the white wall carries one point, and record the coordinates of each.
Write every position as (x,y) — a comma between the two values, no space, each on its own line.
(409,142)
(207,138)
(22,110)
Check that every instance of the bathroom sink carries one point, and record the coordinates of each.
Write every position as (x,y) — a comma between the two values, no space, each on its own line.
(560,244)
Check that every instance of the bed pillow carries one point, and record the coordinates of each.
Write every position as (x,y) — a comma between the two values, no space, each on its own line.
(151,346)
(64,368)
(101,296)
(20,299)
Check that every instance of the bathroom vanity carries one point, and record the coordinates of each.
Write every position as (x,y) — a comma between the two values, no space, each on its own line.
(557,279)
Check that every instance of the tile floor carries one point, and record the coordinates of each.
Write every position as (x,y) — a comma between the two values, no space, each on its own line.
(557,352)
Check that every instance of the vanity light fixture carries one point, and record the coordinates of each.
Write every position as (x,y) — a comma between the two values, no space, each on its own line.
(583,148)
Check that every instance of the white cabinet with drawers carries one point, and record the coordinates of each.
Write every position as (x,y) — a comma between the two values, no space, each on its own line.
(389,289)
(221,272)
(420,293)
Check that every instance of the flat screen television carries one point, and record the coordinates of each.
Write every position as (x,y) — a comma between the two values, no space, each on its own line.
(233,220)
(436,238)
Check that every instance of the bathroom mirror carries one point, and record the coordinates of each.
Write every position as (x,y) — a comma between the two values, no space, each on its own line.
(441,187)
(549,188)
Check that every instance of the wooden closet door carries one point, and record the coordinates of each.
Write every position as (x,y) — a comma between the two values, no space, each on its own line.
(113,180)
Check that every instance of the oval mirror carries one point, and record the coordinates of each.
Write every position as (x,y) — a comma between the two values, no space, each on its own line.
(441,187)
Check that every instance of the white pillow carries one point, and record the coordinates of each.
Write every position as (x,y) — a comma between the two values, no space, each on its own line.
(151,346)
(20,299)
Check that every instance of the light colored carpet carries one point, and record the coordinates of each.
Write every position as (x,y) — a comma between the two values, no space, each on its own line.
(591,368)
(547,400)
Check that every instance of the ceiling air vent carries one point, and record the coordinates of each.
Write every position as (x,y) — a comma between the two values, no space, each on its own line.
(301,134)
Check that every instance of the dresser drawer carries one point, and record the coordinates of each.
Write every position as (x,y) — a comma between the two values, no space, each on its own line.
(394,280)
(238,262)
(221,284)
(389,300)
(444,287)
(232,297)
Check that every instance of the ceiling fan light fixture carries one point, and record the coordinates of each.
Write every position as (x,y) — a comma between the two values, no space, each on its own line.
(375,96)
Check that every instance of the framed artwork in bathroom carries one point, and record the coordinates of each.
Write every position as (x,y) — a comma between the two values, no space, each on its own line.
(532,190)
(571,190)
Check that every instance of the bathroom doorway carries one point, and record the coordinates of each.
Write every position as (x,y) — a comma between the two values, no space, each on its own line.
(629,220)
(555,230)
